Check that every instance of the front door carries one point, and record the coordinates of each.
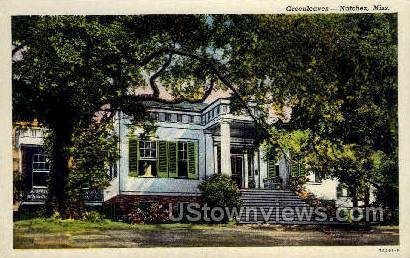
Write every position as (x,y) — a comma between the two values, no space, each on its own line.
(237,169)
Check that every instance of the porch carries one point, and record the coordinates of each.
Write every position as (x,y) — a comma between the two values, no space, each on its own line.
(237,154)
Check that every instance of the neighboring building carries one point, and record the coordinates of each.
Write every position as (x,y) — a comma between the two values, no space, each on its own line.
(31,162)
(192,141)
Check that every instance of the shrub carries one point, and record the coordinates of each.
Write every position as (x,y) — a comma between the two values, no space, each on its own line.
(32,212)
(220,191)
(148,213)
(93,216)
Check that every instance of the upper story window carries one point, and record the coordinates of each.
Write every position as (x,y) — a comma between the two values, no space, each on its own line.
(179,118)
(154,116)
(190,119)
(167,117)
(33,132)
(224,109)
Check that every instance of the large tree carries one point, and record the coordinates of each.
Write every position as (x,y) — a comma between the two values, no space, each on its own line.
(67,68)
(339,75)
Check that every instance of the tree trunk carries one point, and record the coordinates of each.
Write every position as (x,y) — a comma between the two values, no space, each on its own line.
(367,204)
(355,202)
(59,171)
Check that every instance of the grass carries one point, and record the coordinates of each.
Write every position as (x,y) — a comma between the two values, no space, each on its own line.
(50,225)
(55,233)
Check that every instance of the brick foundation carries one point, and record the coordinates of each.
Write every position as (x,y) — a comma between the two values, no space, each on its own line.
(121,205)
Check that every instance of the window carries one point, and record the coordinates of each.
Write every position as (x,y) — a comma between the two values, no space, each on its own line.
(161,117)
(41,169)
(148,150)
(339,191)
(167,117)
(163,158)
(182,159)
(223,109)
(154,116)
(218,109)
(179,118)
(342,191)
(190,119)
(33,132)
(113,172)
(319,176)
(147,165)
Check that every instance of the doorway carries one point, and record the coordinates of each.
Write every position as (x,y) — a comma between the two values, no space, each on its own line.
(237,169)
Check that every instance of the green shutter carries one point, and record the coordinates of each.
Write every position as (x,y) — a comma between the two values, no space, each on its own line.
(172,159)
(133,156)
(301,169)
(192,160)
(271,168)
(294,170)
(162,159)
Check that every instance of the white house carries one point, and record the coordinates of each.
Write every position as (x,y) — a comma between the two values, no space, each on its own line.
(191,142)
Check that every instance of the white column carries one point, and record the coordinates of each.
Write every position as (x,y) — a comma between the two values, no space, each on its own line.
(216,159)
(209,157)
(256,166)
(226,148)
(245,164)
(263,166)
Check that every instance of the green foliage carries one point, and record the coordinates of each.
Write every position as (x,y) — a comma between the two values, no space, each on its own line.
(219,190)
(93,216)
(18,186)
(94,150)
(341,82)
(148,213)
(31,211)
(337,73)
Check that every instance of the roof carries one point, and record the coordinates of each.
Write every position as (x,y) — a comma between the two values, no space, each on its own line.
(184,106)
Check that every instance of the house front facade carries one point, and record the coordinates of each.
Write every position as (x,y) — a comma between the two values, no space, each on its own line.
(191,142)
(194,141)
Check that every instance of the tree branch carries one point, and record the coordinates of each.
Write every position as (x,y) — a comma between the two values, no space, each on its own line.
(153,78)
(213,66)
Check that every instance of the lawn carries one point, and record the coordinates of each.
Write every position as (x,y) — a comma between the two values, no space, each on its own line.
(54,233)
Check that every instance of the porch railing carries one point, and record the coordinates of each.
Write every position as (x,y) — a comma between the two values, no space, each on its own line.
(272,183)
(40,195)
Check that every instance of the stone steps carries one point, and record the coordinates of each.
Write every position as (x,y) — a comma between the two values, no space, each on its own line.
(277,200)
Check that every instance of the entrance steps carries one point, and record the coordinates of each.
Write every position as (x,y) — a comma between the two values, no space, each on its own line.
(278,207)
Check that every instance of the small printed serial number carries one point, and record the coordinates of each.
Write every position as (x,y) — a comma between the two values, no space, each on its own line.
(389,250)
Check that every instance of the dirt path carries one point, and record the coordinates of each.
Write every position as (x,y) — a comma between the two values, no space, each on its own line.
(233,236)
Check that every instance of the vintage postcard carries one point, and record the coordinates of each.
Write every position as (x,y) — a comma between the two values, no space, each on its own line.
(197,129)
